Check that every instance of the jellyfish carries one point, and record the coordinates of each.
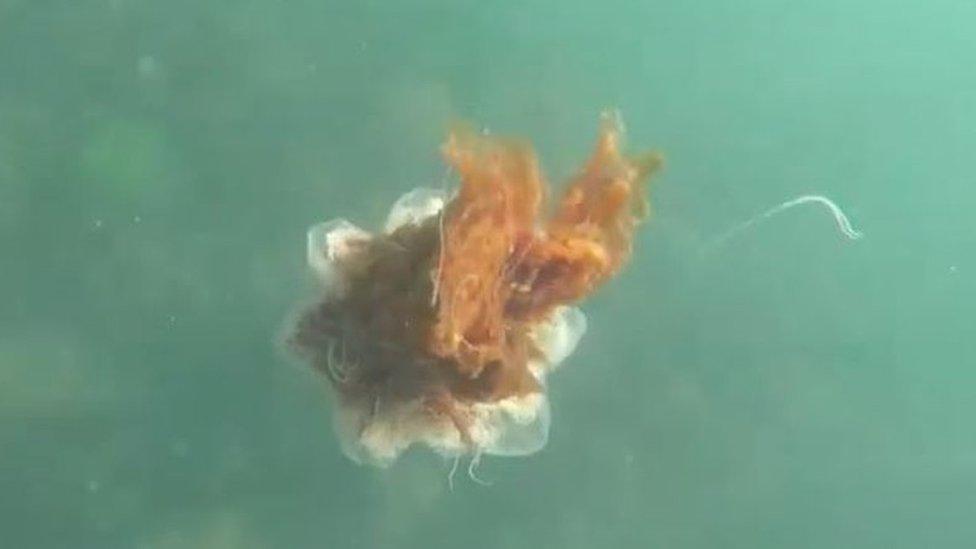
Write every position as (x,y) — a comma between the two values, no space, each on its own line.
(441,329)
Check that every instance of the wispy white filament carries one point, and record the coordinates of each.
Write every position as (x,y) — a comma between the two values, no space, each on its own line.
(843,223)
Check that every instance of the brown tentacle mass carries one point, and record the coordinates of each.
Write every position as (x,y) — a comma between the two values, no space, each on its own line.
(503,267)
(499,265)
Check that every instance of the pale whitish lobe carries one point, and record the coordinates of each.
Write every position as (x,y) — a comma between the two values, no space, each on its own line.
(329,244)
(515,426)
(414,207)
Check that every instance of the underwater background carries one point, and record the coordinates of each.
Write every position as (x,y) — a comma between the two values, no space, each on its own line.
(161,161)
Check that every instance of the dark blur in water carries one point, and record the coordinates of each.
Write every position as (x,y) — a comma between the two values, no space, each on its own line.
(160,161)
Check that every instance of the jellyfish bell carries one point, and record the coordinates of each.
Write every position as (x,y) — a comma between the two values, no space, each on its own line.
(377,432)
(441,330)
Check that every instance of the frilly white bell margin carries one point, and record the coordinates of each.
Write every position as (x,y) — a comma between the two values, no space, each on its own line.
(377,432)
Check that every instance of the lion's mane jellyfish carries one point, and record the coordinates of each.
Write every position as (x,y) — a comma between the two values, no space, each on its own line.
(442,328)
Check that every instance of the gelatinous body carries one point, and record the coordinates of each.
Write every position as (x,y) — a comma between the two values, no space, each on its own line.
(441,330)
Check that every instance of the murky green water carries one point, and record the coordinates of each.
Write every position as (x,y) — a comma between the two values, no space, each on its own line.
(160,161)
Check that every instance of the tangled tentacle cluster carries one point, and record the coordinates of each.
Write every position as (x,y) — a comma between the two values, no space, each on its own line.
(441,329)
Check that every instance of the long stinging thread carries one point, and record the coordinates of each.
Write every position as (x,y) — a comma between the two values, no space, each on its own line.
(450,475)
(843,223)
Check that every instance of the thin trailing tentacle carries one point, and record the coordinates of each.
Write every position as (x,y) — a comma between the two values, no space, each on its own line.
(450,474)
(843,223)
(473,466)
